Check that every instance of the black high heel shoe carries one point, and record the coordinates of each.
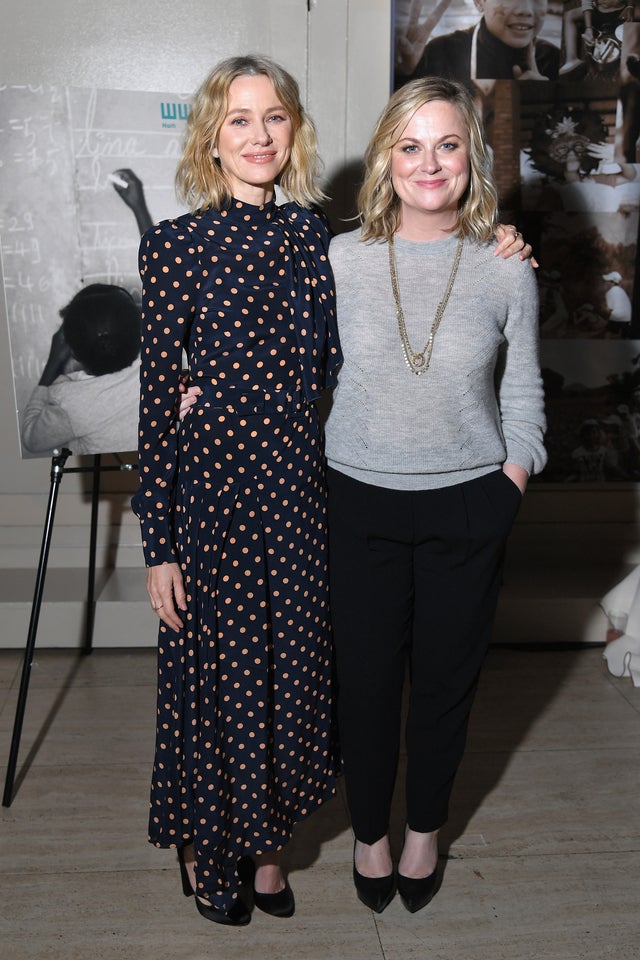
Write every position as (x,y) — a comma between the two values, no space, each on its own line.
(375,892)
(280,904)
(237,916)
(417,893)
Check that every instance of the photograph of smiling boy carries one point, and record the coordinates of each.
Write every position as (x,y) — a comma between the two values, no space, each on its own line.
(510,40)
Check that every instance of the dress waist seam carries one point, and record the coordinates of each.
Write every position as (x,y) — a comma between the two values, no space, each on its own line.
(250,402)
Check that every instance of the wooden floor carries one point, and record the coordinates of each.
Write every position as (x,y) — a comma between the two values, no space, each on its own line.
(541,855)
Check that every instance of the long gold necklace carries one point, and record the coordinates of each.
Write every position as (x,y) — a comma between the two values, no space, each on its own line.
(418,360)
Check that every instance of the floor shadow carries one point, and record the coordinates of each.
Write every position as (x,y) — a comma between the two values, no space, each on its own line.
(323,826)
(513,693)
(501,719)
(23,769)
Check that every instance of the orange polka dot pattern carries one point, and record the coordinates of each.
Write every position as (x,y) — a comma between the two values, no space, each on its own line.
(236,495)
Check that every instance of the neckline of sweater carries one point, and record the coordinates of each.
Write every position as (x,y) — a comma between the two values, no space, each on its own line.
(425,247)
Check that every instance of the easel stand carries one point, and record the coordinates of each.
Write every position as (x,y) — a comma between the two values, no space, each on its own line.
(58,468)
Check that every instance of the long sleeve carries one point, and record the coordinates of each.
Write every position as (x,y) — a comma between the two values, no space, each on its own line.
(169,271)
(46,424)
(519,382)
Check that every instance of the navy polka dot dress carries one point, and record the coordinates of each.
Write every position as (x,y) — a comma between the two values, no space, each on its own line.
(236,495)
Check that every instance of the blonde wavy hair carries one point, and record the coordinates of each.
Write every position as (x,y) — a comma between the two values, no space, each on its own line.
(379,204)
(200,180)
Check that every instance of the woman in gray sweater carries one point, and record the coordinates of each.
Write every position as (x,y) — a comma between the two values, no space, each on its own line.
(436,424)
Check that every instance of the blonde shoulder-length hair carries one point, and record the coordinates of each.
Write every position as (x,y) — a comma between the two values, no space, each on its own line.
(378,203)
(200,180)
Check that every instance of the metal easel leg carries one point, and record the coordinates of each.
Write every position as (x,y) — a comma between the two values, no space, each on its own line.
(57,469)
(91,580)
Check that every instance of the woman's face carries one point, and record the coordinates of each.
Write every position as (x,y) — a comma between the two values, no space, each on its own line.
(254,140)
(430,167)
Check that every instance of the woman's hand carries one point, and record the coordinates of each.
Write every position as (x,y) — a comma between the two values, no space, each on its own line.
(517,474)
(166,592)
(188,396)
(511,241)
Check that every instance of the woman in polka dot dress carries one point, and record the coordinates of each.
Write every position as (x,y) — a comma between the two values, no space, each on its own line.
(232,504)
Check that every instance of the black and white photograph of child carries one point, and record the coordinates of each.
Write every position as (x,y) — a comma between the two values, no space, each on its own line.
(71,281)
(478,41)
(90,378)
(593,33)
(570,158)
(84,397)
(90,381)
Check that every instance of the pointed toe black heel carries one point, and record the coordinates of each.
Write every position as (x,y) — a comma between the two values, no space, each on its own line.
(375,892)
(281,904)
(417,893)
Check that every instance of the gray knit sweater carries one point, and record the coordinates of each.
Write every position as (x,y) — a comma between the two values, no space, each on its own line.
(481,401)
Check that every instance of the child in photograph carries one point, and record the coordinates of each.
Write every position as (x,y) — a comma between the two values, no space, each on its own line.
(84,395)
(503,45)
(90,382)
(593,32)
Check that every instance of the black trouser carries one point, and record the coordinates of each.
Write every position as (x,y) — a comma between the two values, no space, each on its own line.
(413,573)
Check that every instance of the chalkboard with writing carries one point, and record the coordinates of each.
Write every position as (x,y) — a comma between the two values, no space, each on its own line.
(82,173)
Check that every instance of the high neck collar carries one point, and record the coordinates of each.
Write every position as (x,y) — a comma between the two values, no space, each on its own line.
(240,210)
